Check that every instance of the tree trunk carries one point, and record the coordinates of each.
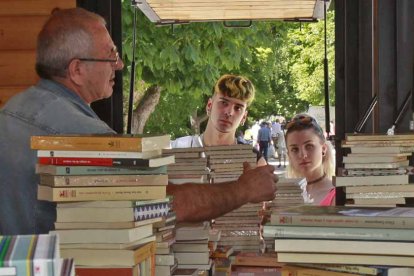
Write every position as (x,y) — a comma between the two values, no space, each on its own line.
(195,121)
(144,109)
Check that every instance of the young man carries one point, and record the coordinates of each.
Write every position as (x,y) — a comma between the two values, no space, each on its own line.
(227,109)
(76,61)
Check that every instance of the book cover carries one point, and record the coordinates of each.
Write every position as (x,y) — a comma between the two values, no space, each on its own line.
(302,271)
(109,271)
(341,181)
(104,235)
(357,259)
(112,214)
(104,225)
(335,216)
(378,137)
(340,233)
(63,194)
(192,257)
(400,248)
(126,245)
(373,159)
(109,162)
(97,170)
(186,272)
(191,247)
(103,180)
(99,154)
(27,253)
(382,165)
(110,257)
(380,188)
(101,142)
(379,150)
(257,259)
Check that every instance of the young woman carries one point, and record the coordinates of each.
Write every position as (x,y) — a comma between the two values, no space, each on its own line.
(311,156)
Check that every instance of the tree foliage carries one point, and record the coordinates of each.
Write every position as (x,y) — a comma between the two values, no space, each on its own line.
(184,61)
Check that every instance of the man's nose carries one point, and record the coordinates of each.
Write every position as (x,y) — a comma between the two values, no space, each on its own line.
(119,65)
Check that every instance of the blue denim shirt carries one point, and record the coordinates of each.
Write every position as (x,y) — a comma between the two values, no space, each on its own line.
(46,108)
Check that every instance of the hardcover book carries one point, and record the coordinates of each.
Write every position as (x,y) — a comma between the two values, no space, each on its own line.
(98,142)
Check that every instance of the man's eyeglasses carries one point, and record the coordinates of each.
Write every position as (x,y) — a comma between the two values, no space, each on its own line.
(303,121)
(114,60)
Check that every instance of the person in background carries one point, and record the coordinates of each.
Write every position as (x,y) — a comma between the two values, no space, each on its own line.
(227,110)
(281,148)
(76,62)
(264,138)
(311,156)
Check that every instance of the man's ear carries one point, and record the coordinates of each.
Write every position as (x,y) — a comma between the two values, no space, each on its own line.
(243,120)
(209,105)
(75,71)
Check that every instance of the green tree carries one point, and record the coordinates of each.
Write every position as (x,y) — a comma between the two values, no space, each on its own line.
(178,65)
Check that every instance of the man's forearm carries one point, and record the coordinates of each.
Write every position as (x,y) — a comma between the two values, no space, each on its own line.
(200,202)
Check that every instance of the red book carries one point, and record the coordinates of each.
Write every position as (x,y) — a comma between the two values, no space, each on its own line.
(108,271)
(109,162)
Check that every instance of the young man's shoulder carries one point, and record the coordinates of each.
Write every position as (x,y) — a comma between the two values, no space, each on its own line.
(191,141)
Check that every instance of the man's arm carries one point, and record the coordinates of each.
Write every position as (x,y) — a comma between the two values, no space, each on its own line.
(200,202)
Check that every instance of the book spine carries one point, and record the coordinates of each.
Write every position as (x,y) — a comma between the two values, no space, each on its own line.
(340,233)
(86,143)
(101,193)
(96,170)
(21,255)
(108,180)
(342,221)
(95,154)
(72,161)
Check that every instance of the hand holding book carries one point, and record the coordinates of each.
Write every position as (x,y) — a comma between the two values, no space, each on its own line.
(259,184)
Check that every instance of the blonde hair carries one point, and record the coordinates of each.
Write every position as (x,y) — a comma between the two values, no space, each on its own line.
(234,86)
(328,160)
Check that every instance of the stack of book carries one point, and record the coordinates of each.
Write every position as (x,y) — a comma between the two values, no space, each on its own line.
(165,261)
(289,193)
(255,263)
(221,260)
(109,190)
(33,255)
(191,247)
(241,227)
(376,171)
(226,162)
(367,236)
(190,165)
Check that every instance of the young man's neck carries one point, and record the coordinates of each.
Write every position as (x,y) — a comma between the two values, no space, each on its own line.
(215,138)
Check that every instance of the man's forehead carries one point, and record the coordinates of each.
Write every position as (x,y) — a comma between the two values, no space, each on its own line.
(230,99)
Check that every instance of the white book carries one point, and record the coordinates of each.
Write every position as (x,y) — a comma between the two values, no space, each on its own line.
(98,154)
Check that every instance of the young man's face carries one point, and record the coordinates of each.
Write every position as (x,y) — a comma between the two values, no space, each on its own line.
(226,113)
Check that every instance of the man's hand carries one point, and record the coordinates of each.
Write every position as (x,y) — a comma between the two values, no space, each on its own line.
(258,184)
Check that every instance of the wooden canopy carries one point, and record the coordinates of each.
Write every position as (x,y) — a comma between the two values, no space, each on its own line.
(176,11)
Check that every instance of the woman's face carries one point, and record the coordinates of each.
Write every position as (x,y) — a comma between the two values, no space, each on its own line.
(305,151)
